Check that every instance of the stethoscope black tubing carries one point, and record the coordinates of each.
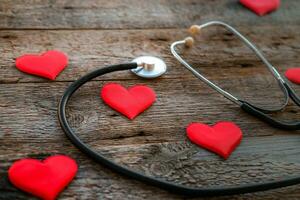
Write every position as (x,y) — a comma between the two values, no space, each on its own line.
(172,187)
(256,112)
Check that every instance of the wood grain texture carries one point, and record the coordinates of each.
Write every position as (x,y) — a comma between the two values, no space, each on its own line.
(215,49)
(181,162)
(99,33)
(132,14)
(154,143)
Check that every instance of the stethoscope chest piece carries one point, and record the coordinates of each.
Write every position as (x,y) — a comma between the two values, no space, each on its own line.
(149,67)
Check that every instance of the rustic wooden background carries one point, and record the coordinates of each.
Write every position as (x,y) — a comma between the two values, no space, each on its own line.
(99,33)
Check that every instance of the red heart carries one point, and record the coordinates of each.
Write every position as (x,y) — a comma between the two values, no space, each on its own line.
(261,7)
(44,179)
(47,65)
(293,74)
(222,138)
(129,102)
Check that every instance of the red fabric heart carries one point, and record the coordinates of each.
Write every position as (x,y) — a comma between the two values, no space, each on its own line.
(44,179)
(222,138)
(293,74)
(129,102)
(47,65)
(261,7)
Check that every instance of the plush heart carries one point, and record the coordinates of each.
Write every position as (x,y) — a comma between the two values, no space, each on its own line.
(261,7)
(222,138)
(129,102)
(44,179)
(293,74)
(47,65)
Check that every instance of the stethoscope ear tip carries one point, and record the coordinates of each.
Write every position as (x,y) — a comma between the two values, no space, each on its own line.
(194,29)
(189,42)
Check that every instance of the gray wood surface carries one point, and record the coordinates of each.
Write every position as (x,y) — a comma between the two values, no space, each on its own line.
(99,33)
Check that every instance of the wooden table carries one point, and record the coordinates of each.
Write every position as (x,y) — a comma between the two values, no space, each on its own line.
(99,33)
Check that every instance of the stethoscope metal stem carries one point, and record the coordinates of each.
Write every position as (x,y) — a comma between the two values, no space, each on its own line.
(200,76)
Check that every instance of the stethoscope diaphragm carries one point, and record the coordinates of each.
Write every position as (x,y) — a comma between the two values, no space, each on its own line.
(149,67)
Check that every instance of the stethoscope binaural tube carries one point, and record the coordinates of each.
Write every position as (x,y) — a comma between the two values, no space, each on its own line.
(172,187)
(261,113)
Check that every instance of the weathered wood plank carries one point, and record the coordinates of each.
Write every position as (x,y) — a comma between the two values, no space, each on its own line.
(215,50)
(28,111)
(181,162)
(119,14)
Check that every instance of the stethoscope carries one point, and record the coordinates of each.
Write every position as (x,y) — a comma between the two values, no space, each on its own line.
(152,67)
